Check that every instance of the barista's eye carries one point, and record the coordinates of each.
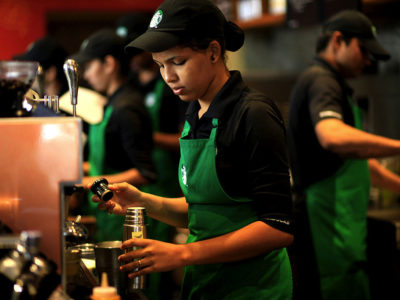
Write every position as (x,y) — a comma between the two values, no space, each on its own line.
(180,62)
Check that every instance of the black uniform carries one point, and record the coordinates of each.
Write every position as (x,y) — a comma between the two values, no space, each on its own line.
(241,152)
(319,93)
(128,138)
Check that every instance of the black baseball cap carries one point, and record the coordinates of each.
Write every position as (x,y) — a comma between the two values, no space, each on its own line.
(100,44)
(46,51)
(355,24)
(177,21)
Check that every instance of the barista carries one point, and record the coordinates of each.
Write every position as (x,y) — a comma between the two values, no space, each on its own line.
(333,162)
(233,168)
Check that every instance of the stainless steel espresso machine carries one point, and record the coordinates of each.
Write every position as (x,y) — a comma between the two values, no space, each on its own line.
(39,158)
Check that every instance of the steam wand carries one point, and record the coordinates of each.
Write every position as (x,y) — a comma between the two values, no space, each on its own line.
(71,72)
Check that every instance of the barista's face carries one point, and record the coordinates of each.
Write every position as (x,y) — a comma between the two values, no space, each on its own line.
(96,75)
(188,73)
(352,58)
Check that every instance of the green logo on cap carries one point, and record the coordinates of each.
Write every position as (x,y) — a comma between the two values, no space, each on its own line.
(373,30)
(156,19)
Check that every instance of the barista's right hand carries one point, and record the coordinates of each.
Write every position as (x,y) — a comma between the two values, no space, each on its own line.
(125,195)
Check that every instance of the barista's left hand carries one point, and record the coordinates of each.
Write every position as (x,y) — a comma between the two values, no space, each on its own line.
(154,256)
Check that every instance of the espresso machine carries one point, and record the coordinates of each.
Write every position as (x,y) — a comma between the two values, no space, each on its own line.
(40,158)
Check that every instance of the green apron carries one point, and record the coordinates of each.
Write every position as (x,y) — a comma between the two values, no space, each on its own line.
(167,185)
(109,227)
(213,213)
(337,208)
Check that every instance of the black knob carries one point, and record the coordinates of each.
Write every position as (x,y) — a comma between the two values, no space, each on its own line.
(100,188)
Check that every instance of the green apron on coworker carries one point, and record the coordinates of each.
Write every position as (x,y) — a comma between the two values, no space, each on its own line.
(213,213)
(337,208)
(166,185)
(109,227)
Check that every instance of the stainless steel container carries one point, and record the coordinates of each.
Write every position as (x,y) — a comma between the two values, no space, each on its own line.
(134,227)
(107,262)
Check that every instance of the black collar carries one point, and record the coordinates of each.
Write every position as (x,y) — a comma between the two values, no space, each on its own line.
(325,64)
(226,97)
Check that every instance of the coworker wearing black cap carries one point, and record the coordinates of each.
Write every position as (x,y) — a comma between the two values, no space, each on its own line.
(167,113)
(332,163)
(51,57)
(120,145)
(233,168)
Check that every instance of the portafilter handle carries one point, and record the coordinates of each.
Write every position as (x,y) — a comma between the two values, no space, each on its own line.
(71,72)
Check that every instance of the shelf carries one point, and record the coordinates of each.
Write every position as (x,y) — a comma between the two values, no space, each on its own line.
(266,20)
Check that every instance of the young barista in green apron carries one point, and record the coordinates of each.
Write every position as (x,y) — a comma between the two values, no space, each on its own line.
(120,145)
(330,171)
(233,169)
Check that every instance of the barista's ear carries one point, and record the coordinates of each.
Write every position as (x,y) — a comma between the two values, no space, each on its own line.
(110,62)
(51,74)
(336,40)
(337,37)
(215,51)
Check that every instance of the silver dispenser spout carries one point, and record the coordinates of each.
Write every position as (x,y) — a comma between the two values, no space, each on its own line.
(71,72)
(40,79)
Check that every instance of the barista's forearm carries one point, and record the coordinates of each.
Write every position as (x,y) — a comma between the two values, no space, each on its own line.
(340,138)
(382,177)
(172,211)
(255,239)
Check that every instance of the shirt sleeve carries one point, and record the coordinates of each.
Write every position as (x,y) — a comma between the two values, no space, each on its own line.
(259,165)
(325,97)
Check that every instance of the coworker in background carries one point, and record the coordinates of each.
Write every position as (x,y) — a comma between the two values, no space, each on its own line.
(51,82)
(120,146)
(332,163)
(51,56)
(233,168)
(167,115)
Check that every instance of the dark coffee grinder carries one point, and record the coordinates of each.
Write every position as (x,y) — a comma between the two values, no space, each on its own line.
(16,78)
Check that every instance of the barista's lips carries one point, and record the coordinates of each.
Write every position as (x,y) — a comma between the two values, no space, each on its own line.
(178,90)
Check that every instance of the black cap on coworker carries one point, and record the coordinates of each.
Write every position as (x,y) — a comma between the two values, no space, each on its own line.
(100,44)
(47,51)
(131,25)
(178,21)
(355,24)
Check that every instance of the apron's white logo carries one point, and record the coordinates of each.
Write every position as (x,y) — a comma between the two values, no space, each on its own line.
(150,100)
(156,19)
(183,174)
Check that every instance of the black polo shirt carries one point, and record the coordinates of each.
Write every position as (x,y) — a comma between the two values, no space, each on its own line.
(319,93)
(128,135)
(252,157)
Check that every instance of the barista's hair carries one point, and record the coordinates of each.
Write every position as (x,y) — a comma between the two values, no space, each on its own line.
(203,43)
(324,38)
